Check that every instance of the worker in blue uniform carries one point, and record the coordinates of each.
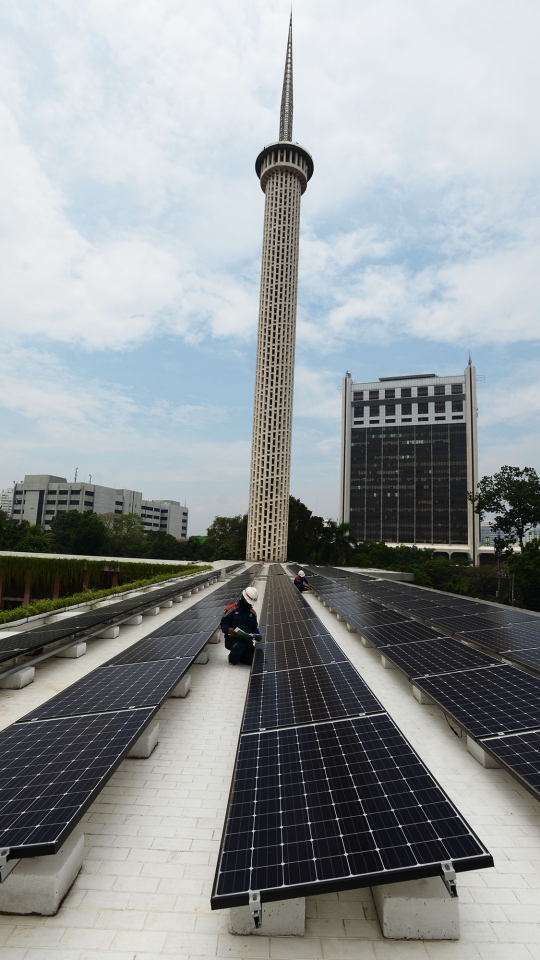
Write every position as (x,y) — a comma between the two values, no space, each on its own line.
(240,628)
(300,582)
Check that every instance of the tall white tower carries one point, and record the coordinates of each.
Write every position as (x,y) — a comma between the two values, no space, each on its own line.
(284,169)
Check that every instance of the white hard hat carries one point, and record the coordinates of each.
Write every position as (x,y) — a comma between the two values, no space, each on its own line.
(301,573)
(251,594)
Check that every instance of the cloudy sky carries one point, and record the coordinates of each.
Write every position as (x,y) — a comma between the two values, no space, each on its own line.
(131,226)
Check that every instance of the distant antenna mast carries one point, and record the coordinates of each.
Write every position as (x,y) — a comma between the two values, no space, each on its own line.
(90,476)
(75,477)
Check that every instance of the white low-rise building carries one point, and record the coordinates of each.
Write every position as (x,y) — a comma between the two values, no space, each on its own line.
(40,497)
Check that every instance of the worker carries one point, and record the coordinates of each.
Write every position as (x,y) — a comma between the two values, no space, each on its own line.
(240,627)
(300,581)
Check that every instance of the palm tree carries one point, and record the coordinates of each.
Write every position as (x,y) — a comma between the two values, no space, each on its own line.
(337,546)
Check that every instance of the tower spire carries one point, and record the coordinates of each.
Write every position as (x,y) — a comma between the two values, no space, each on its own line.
(286,116)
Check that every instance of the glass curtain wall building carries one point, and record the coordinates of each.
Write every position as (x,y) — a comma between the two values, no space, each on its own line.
(409,456)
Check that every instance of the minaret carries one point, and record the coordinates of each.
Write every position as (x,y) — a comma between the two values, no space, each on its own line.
(284,169)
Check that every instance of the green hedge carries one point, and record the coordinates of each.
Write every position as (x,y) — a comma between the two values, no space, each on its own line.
(47,606)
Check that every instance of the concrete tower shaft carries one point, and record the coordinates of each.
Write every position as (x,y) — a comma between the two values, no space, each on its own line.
(284,169)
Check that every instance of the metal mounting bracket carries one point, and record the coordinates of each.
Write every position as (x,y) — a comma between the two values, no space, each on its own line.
(449,878)
(6,866)
(255,907)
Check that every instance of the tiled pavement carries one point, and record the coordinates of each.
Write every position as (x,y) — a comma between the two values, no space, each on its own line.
(153,835)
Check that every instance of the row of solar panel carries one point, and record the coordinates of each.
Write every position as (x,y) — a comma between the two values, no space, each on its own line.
(90,622)
(327,794)
(487,698)
(55,760)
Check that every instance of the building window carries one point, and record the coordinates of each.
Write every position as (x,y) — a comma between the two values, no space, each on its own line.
(423,408)
(440,389)
(373,394)
(63,493)
(374,411)
(390,410)
(422,391)
(16,511)
(118,511)
(406,409)
(359,411)
(51,501)
(88,503)
(62,503)
(358,395)
(49,511)
(389,394)
(440,406)
(457,388)
(74,503)
(75,493)
(406,392)
(457,406)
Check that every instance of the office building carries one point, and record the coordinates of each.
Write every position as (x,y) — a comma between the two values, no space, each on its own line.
(284,169)
(40,497)
(6,501)
(409,456)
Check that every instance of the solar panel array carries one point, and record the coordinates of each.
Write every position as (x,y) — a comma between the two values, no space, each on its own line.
(487,698)
(327,794)
(89,623)
(56,759)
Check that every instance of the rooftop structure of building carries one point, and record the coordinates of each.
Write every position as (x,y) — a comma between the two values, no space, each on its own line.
(152,836)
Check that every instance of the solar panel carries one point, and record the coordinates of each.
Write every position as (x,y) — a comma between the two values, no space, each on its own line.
(444,655)
(529,657)
(306,695)
(290,654)
(294,630)
(407,631)
(520,754)
(51,772)
(506,638)
(162,648)
(489,700)
(335,805)
(122,687)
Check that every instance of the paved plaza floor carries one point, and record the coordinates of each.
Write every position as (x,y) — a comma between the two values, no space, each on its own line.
(153,835)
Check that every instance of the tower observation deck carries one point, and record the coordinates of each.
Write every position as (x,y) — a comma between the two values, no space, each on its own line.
(283,168)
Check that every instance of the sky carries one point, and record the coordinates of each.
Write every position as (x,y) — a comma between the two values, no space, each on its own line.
(131,229)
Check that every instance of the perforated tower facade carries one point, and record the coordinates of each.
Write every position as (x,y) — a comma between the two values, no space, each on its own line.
(284,169)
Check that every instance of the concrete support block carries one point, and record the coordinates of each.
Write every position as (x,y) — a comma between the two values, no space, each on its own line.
(350,628)
(195,590)
(203,657)
(187,593)
(216,636)
(179,598)
(480,754)
(282,918)
(420,695)
(72,653)
(151,612)
(339,617)
(165,604)
(146,742)
(39,884)
(365,642)
(16,681)
(417,910)
(387,664)
(109,634)
(182,689)
(133,621)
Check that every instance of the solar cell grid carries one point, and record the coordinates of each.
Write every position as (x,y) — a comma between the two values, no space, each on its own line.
(436,656)
(528,657)
(505,638)
(162,648)
(335,805)
(290,654)
(520,754)
(406,631)
(50,775)
(307,695)
(119,687)
(488,700)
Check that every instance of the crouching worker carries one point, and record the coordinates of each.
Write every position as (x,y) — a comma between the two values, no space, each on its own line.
(301,582)
(239,624)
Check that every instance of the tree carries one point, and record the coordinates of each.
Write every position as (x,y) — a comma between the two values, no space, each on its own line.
(337,547)
(79,533)
(513,496)
(305,532)
(126,535)
(226,538)
(526,569)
